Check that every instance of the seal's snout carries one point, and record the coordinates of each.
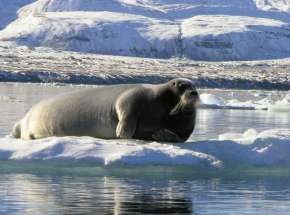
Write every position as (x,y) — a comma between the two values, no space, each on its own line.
(193,93)
(192,98)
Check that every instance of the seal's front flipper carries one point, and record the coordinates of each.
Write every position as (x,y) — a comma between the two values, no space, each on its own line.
(166,135)
(127,108)
(126,127)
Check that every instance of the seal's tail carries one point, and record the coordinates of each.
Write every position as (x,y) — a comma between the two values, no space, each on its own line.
(16,132)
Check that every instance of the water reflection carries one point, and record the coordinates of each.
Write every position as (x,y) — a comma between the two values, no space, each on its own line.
(31,194)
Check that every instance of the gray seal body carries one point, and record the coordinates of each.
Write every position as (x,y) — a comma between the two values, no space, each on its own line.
(147,112)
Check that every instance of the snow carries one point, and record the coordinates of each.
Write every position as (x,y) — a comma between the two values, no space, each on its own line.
(267,148)
(199,30)
(105,152)
(8,10)
(274,5)
(86,32)
(221,37)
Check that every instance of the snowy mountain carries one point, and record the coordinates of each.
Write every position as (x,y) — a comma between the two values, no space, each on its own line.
(194,29)
(8,10)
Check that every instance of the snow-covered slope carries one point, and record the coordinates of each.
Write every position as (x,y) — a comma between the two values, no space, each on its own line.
(273,5)
(8,10)
(102,32)
(203,30)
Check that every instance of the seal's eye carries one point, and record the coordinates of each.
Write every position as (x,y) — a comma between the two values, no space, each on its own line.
(174,83)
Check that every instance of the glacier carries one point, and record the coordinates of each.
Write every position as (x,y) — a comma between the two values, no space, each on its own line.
(199,30)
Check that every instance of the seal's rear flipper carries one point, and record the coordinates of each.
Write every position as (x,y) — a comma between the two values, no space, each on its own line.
(16,132)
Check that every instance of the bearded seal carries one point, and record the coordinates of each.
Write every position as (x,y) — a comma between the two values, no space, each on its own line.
(163,112)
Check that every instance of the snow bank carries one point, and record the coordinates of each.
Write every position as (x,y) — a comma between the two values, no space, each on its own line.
(271,147)
(203,30)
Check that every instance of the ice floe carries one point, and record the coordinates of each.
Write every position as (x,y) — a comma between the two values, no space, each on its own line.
(105,152)
(267,148)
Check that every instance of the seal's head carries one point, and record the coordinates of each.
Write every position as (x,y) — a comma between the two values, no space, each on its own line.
(187,95)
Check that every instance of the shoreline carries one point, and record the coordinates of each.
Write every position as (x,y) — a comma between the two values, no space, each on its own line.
(98,79)
(44,65)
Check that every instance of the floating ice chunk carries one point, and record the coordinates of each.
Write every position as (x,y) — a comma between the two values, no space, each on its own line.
(250,104)
(210,99)
(103,152)
(9,99)
(261,94)
(243,138)
(236,103)
(230,136)
(281,105)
